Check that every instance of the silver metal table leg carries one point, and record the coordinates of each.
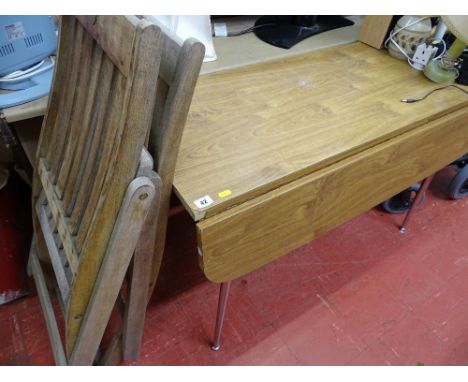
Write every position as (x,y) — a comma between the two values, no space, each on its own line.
(222,304)
(424,186)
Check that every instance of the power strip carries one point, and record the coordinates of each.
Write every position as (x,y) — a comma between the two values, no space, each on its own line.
(423,54)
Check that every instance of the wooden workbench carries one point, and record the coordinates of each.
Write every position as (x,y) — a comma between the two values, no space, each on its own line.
(279,152)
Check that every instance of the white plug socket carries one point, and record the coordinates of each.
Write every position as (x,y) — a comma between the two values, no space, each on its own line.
(423,54)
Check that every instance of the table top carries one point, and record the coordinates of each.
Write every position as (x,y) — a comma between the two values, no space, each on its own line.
(31,109)
(254,128)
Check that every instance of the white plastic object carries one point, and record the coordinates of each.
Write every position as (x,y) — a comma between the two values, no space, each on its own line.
(184,27)
(423,54)
(20,75)
(408,32)
(220,29)
(440,30)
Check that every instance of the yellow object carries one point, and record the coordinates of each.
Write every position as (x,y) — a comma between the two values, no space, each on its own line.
(224,193)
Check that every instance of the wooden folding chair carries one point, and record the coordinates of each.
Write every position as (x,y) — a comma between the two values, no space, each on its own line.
(178,74)
(93,185)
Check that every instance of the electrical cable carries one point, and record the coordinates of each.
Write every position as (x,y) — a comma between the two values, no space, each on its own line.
(413,100)
(248,30)
(443,50)
(21,75)
(408,58)
(394,33)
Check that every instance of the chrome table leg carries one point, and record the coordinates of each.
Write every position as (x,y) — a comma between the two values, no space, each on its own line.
(222,304)
(424,186)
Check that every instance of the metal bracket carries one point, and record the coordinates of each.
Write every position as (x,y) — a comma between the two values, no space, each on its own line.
(6,134)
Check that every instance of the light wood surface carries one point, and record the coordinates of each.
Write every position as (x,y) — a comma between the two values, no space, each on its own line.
(242,239)
(255,128)
(31,109)
(374,29)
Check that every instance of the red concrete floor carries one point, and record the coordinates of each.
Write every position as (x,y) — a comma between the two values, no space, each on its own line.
(15,234)
(363,294)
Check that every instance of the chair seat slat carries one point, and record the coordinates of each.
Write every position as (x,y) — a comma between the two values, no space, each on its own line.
(59,218)
(62,281)
(62,128)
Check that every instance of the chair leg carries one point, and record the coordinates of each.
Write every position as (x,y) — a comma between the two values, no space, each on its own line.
(424,186)
(47,308)
(120,249)
(222,304)
(32,252)
(135,310)
(134,317)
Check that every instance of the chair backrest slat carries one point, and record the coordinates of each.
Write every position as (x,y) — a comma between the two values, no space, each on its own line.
(61,75)
(95,111)
(85,87)
(106,155)
(93,161)
(62,127)
(116,36)
(171,56)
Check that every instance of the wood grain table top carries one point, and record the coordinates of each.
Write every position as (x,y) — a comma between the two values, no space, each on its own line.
(254,128)
(31,109)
